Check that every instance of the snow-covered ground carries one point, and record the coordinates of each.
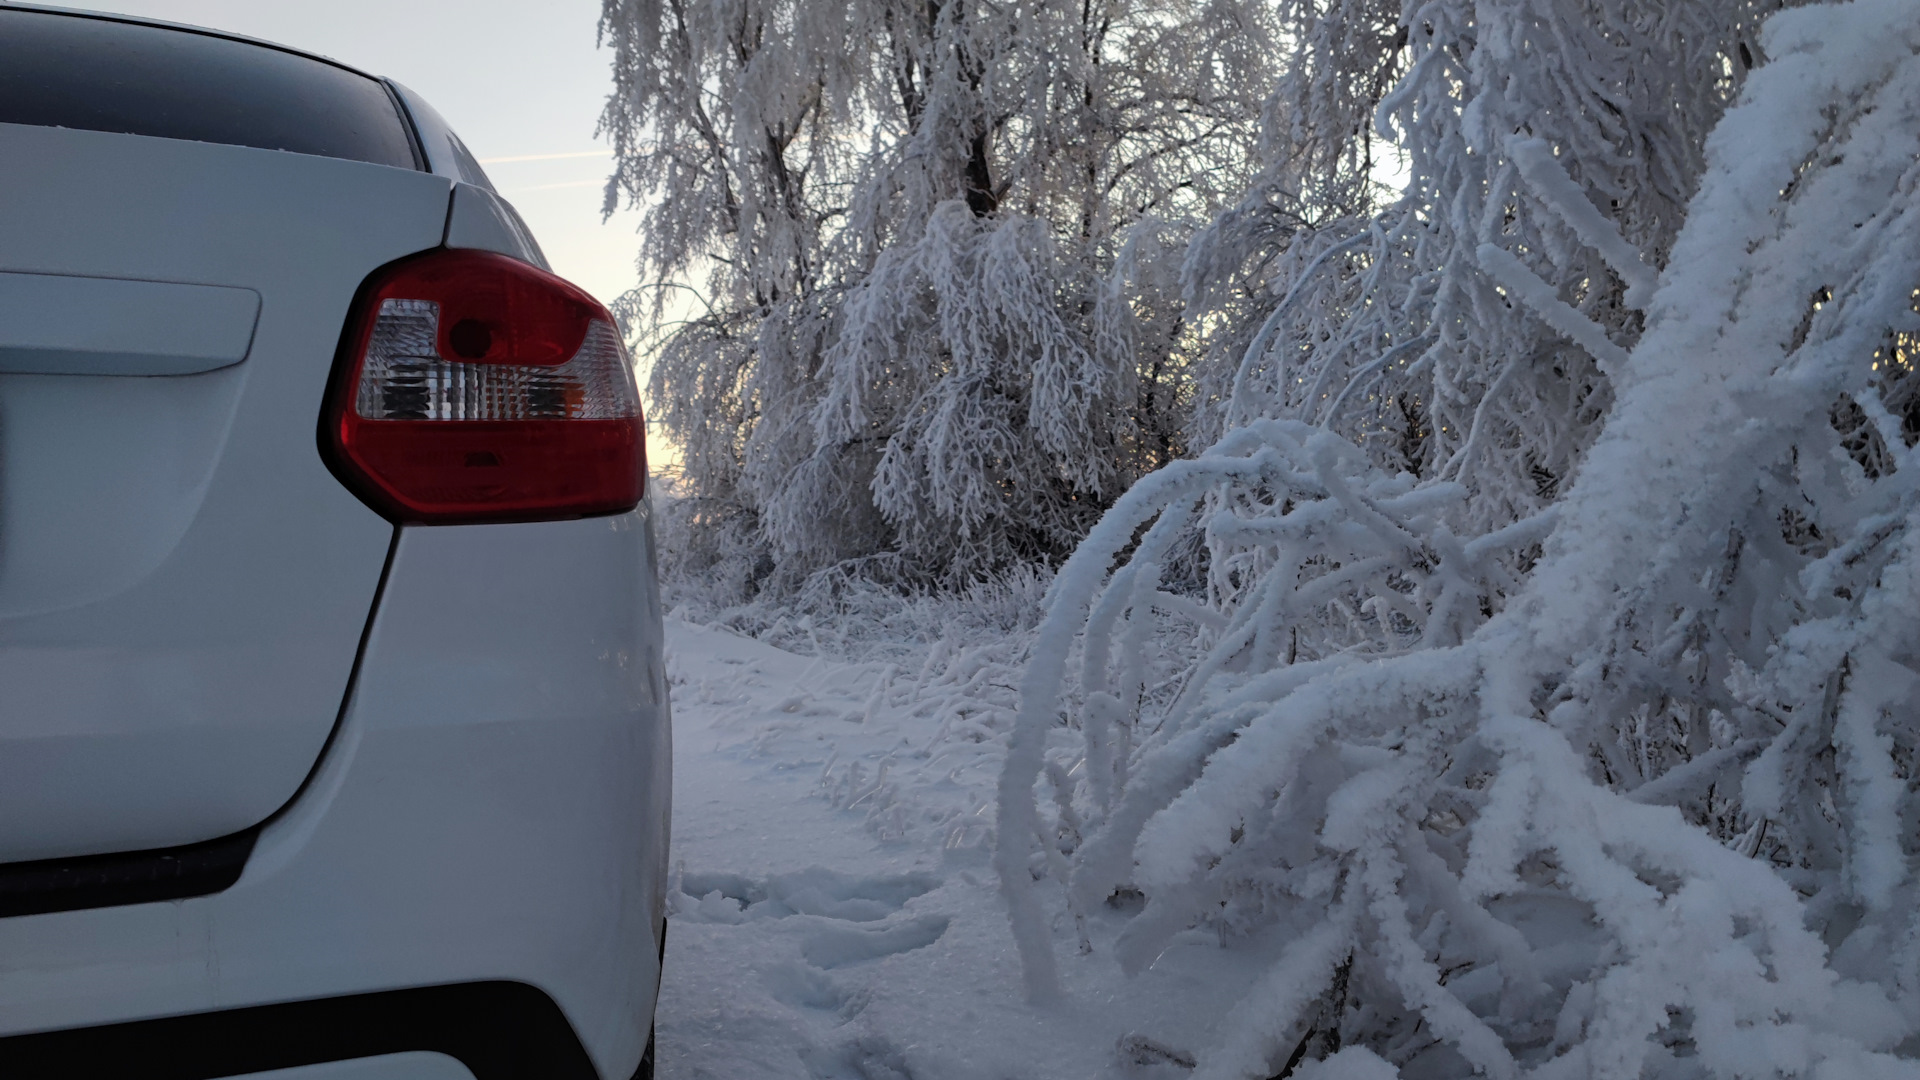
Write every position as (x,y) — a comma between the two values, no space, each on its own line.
(834,913)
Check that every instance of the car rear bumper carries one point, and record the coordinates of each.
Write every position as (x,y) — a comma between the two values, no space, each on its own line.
(491,811)
(486,1031)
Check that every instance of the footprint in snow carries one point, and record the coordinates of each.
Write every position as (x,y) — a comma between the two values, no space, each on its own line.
(870,1057)
(838,946)
(736,898)
(854,919)
(804,986)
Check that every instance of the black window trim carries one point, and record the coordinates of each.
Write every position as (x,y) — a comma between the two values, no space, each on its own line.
(420,162)
(186,28)
(399,107)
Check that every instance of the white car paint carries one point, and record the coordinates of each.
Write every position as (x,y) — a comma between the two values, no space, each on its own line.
(494,806)
(185,583)
(50,324)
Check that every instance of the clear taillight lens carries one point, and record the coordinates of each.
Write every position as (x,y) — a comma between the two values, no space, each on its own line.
(479,388)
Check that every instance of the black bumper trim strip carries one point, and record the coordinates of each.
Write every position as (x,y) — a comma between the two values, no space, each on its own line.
(128,877)
(498,1030)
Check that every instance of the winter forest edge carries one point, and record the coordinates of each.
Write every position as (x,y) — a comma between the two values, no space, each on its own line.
(1468,448)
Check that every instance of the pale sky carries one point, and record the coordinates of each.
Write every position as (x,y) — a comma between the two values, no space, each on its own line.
(515,79)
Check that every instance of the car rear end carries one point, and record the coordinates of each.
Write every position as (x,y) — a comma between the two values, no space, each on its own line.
(333,725)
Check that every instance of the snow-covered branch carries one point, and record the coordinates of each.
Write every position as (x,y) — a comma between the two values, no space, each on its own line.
(1572,732)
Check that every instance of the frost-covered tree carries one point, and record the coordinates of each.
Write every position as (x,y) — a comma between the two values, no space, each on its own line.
(1557,691)
(933,252)
(1389,327)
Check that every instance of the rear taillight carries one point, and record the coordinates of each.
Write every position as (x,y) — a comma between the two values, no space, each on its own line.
(478,388)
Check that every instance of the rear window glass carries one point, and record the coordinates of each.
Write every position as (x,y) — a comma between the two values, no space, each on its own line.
(99,75)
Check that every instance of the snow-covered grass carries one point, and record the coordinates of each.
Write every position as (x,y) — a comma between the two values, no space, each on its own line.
(834,914)
(852,613)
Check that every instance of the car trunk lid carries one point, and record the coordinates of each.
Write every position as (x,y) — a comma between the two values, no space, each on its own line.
(183,585)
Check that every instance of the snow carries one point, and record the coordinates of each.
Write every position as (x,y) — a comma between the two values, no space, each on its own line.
(1556,721)
(1464,776)
(833,912)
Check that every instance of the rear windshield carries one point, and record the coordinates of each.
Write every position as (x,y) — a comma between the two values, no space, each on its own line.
(100,75)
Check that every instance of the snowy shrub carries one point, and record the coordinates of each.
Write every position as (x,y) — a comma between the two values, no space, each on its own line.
(913,267)
(845,614)
(1557,710)
(861,610)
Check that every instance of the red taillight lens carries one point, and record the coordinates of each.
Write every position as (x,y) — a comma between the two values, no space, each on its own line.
(479,388)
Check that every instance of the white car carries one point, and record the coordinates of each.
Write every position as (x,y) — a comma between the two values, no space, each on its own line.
(333,723)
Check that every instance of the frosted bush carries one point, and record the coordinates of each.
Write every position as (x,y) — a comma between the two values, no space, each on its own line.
(1568,730)
(860,611)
